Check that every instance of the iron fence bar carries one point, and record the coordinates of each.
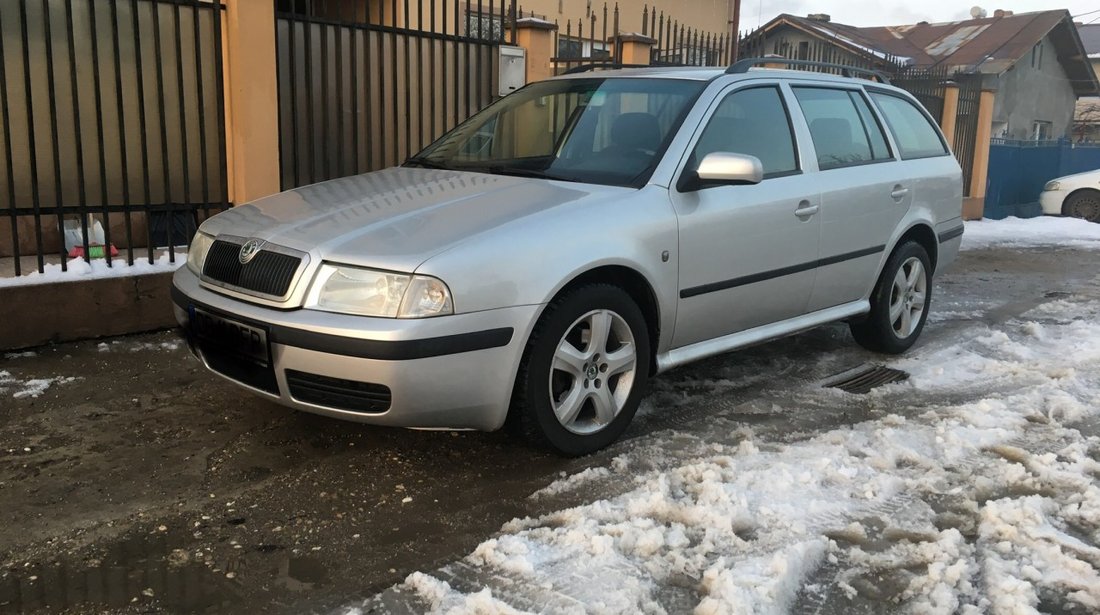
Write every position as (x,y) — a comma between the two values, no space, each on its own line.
(512,8)
(121,115)
(200,91)
(408,89)
(355,101)
(421,74)
(381,78)
(81,187)
(292,94)
(100,136)
(59,206)
(8,165)
(142,125)
(219,95)
(185,163)
(325,137)
(393,81)
(431,78)
(32,153)
(163,122)
(340,136)
(310,117)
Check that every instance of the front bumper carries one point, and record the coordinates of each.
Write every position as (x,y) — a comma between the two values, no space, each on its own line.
(1051,201)
(446,372)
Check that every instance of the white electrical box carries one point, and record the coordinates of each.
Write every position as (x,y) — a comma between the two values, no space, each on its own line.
(513,69)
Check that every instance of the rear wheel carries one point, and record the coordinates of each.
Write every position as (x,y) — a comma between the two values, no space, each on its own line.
(584,371)
(1084,204)
(899,303)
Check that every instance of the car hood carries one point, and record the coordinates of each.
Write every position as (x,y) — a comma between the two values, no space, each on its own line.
(1081,179)
(399,217)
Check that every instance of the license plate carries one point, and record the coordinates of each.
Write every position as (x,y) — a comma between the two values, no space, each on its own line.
(236,338)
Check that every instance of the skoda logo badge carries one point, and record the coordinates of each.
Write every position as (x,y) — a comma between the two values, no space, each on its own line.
(249,250)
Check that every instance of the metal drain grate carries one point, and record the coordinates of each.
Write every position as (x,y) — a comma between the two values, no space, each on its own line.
(863,379)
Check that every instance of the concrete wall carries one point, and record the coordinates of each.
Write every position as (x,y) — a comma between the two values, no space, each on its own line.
(1026,95)
(44,313)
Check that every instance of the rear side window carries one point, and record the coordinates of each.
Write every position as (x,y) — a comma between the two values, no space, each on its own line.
(914,133)
(843,129)
(754,122)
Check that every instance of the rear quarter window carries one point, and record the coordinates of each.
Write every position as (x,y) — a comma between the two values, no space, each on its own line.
(915,135)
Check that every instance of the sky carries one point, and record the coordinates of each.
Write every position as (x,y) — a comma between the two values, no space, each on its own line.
(897,12)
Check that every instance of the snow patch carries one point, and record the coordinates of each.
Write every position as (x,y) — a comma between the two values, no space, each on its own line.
(33,387)
(1031,232)
(79,269)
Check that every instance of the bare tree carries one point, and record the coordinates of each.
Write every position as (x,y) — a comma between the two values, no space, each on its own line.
(1086,120)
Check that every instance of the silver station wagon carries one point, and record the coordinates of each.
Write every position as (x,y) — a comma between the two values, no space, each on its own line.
(538,264)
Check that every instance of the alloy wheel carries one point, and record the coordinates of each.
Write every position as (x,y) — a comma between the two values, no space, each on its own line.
(908,297)
(593,371)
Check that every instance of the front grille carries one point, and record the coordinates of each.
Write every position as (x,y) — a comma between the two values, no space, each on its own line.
(237,368)
(268,273)
(338,393)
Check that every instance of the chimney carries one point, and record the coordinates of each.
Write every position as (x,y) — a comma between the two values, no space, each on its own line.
(1001,13)
(819,17)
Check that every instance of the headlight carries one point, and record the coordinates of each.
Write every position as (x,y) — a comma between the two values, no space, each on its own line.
(1052,185)
(367,292)
(196,252)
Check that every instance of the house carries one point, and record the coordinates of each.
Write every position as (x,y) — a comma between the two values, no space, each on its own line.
(1087,117)
(1036,62)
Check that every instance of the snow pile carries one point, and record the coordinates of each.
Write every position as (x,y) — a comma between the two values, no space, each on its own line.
(572,482)
(79,269)
(987,504)
(1031,232)
(29,388)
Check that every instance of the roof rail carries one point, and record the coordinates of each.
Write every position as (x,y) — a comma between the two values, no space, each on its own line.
(584,68)
(743,66)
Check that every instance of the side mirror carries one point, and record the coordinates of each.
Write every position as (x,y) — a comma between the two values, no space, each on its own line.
(726,169)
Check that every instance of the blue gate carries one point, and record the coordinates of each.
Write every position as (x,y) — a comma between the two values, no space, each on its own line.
(1019,169)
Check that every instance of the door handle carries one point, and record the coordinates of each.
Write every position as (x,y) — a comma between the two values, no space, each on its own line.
(805,210)
(899,192)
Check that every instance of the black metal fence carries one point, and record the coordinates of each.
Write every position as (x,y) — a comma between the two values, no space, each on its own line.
(113,127)
(679,45)
(363,86)
(596,37)
(927,85)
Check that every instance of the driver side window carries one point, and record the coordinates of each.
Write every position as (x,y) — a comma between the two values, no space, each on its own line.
(752,121)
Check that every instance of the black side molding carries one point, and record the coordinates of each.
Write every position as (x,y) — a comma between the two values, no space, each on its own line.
(951,234)
(777,273)
(383,350)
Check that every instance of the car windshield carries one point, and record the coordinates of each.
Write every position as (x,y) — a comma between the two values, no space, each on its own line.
(603,131)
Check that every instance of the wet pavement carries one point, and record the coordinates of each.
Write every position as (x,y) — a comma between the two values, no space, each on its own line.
(145,484)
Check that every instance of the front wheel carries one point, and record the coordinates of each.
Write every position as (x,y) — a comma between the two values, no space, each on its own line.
(1084,204)
(899,303)
(584,371)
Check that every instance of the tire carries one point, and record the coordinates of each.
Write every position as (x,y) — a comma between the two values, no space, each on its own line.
(570,395)
(899,303)
(1084,204)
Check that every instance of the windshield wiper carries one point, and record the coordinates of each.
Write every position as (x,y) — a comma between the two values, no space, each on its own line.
(426,163)
(521,172)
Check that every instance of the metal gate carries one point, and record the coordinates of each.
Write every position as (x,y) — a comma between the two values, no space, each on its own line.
(364,86)
(966,124)
(111,116)
(926,85)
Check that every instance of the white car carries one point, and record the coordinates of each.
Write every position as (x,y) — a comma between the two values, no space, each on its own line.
(1075,195)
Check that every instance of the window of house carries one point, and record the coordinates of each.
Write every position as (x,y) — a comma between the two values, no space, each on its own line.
(1041,130)
(914,133)
(1037,55)
(804,50)
(841,134)
(754,122)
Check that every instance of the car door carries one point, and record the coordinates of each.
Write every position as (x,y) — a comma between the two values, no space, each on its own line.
(864,191)
(747,252)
